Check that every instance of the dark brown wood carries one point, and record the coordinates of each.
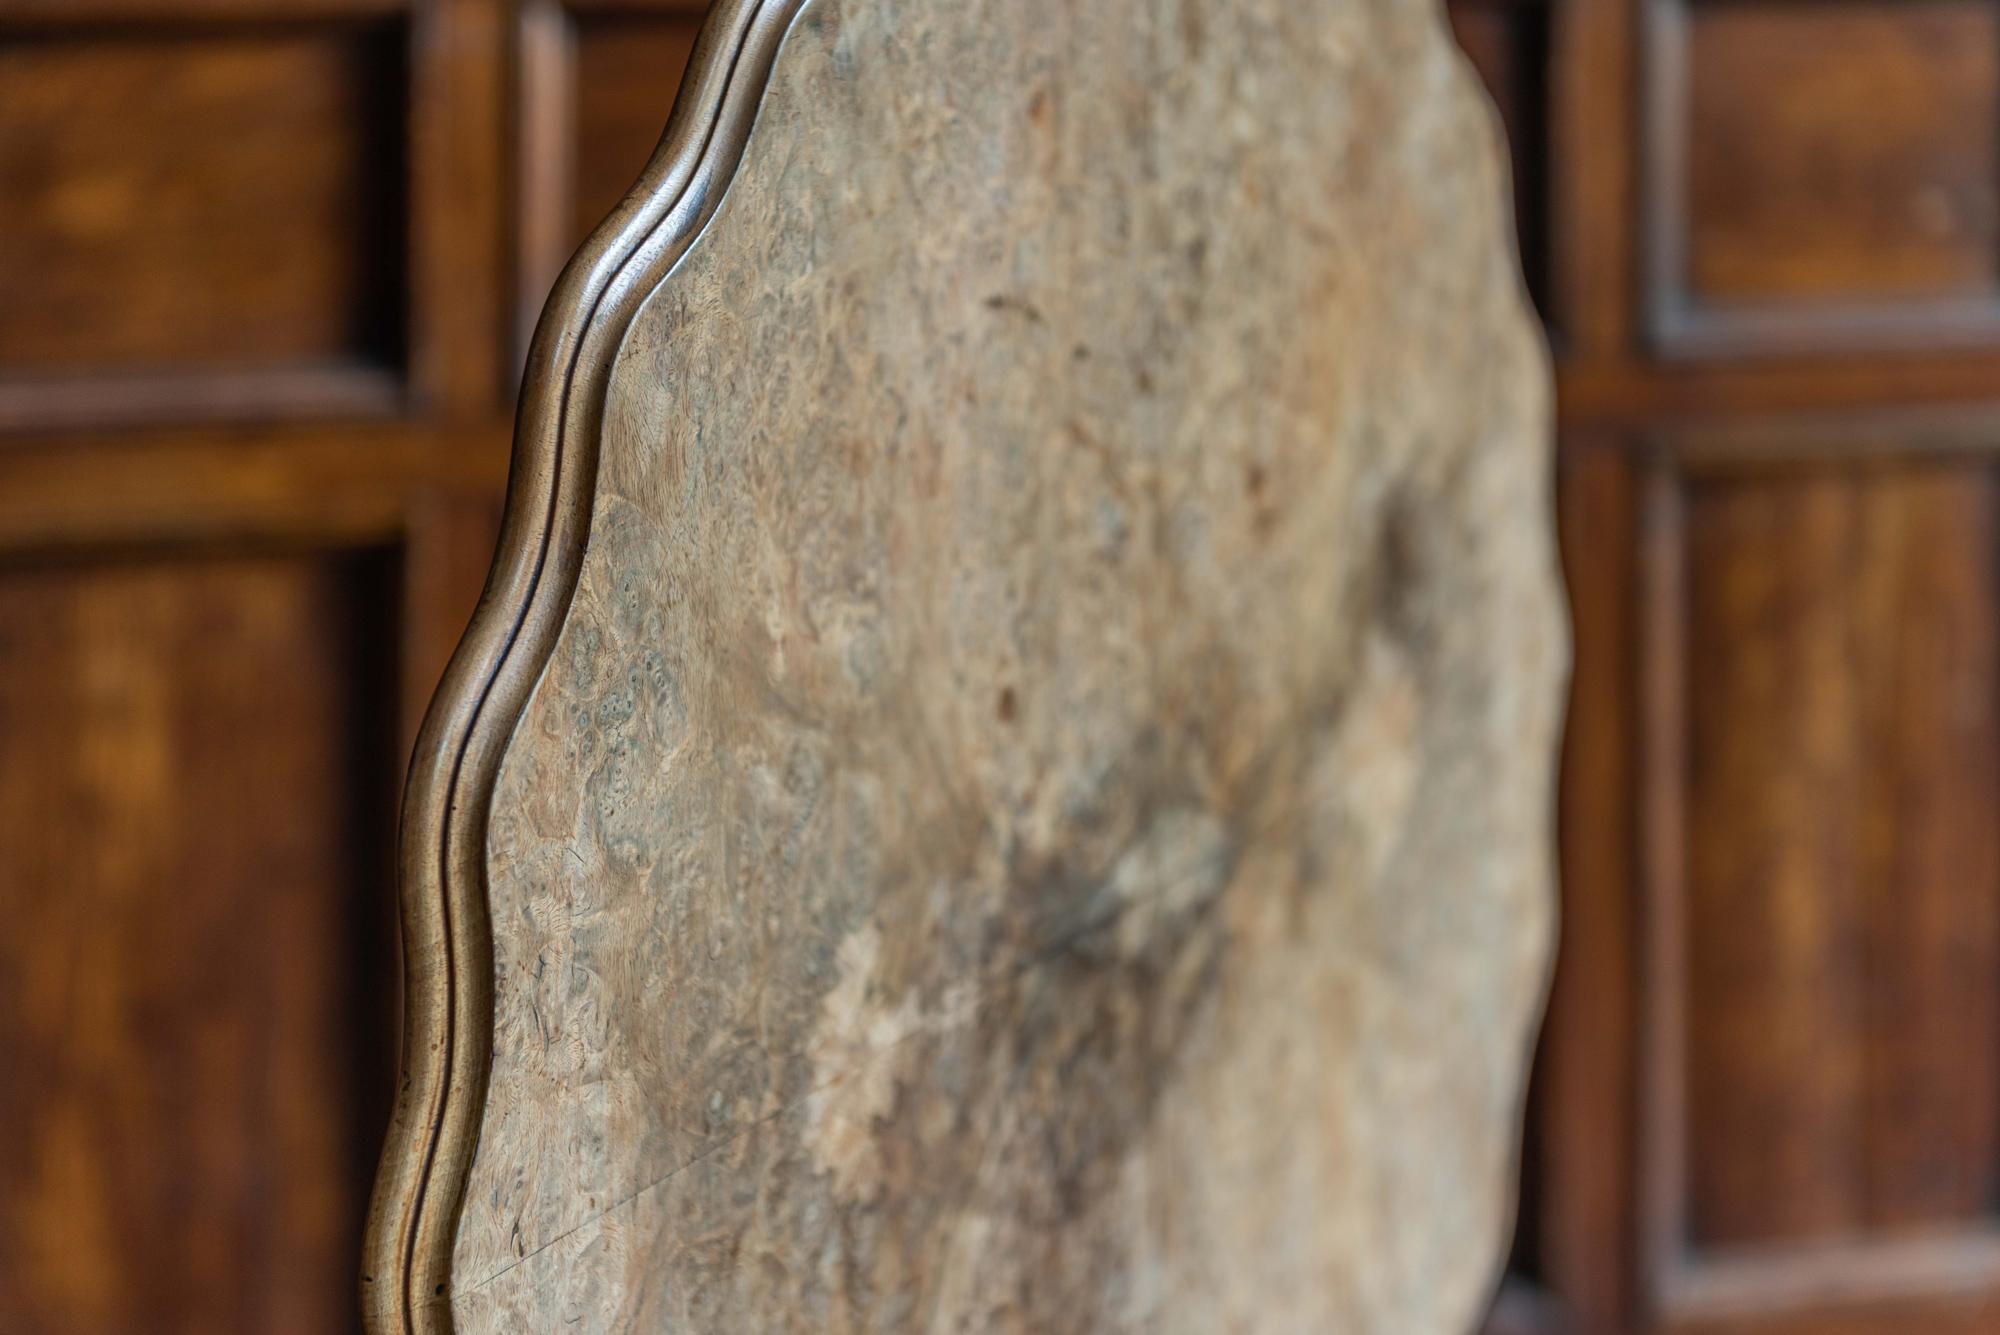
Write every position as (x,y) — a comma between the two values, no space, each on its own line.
(1592,172)
(1659,1147)
(340,486)
(452,534)
(367,379)
(1764,1101)
(1822,176)
(43,15)
(1508,44)
(253,430)
(198,965)
(622,63)
(1583,1132)
(456,224)
(1843,940)
(250,229)
(1632,393)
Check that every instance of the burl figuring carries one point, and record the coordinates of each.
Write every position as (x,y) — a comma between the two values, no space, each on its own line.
(1003,780)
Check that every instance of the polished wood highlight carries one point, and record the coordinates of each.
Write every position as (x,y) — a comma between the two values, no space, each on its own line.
(595,84)
(1820,673)
(448,1004)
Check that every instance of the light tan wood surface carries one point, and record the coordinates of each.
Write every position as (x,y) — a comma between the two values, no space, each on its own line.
(1002,780)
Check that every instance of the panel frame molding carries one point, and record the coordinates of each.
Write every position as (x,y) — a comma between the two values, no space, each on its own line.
(1678,324)
(353,388)
(443,359)
(1867,1285)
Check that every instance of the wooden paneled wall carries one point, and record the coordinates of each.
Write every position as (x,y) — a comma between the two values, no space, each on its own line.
(265,272)
(266,269)
(1765,235)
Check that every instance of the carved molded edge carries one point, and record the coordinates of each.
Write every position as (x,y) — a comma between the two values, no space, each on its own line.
(447,938)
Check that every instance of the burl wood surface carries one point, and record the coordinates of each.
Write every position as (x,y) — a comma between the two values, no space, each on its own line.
(1037,818)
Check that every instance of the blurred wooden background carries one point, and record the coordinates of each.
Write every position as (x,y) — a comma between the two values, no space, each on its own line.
(266,268)
(1765,237)
(266,272)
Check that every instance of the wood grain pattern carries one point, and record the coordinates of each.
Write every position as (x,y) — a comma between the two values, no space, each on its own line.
(626,69)
(1768,406)
(1019,744)
(341,486)
(1823,176)
(459,365)
(1816,745)
(286,216)
(1832,163)
(1584,1134)
(251,225)
(596,86)
(1843,152)
(196,993)
(1844,926)
(413,1215)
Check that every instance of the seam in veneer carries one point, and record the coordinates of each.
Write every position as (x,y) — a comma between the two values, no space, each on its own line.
(412,1224)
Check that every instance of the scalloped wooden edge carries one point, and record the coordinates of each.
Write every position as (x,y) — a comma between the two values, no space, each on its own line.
(413,1217)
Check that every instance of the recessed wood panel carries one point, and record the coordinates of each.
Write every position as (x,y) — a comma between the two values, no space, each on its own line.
(1826,170)
(1841,997)
(200,202)
(196,975)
